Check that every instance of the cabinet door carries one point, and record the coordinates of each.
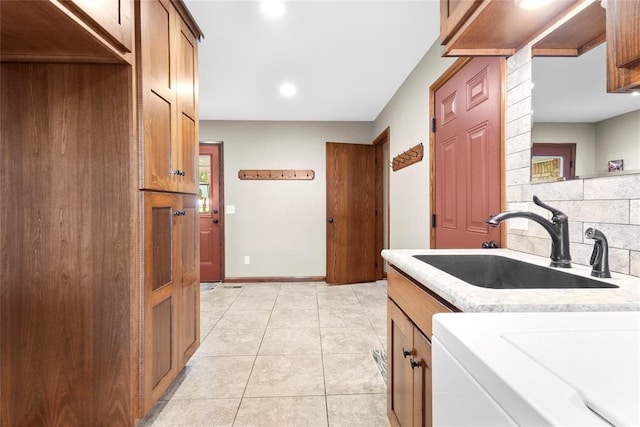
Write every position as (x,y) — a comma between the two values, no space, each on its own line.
(157,37)
(187,111)
(189,328)
(452,16)
(623,46)
(400,381)
(113,17)
(422,380)
(161,250)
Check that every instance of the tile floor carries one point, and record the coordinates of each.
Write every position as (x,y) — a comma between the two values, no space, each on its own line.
(289,354)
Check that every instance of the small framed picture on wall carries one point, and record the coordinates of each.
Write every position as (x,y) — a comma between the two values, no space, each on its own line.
(615,165)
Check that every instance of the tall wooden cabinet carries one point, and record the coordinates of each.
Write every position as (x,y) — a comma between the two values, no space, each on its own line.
(167,45)
(91,309)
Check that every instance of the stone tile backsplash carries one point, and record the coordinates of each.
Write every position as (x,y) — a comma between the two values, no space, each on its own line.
(611,204)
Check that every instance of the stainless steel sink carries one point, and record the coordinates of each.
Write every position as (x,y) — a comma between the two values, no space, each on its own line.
(498,272)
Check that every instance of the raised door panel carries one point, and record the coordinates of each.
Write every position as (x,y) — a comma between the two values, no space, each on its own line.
(187,92)
(161,250)
(159,113)
(190,279)
(113,17)
(188,155)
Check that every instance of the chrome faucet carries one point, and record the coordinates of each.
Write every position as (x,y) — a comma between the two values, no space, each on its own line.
(558,229)
(600,256)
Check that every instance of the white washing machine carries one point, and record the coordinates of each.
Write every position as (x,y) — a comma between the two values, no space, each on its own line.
(536,369)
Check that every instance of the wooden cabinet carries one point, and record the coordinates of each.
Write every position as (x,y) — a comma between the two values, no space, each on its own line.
(171,286)
(409,318)
(112,18)
(99,308)
(623,45)
(493,27)
(168,61)
(167,45)
(86,31)
(410,371)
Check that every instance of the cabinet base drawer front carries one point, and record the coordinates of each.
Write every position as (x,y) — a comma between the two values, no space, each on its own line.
(418,305)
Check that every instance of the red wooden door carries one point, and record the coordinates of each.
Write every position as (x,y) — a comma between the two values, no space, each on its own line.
(354,212)
(211,218)
(467,155)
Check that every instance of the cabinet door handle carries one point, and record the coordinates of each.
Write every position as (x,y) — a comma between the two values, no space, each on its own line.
(415,363)
(179,213)
(406,352)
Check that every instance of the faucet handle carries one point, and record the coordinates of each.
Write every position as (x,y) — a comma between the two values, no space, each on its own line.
(557,214)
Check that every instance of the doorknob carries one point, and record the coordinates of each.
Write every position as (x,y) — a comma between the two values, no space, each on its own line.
(215,221)
(215,211)
(330,220)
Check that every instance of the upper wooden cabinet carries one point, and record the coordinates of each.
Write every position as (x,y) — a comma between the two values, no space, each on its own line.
(493,27)
(169,89)
(623,45)
(86,31)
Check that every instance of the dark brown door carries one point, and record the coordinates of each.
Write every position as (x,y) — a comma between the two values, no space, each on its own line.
(354,212)
(467,155)
(210,213)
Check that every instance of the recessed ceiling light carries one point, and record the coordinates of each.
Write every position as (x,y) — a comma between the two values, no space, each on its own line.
(287,89)
(272,8)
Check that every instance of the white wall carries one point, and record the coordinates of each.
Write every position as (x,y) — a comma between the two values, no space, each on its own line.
(407,115)
(280,225)
(621,135)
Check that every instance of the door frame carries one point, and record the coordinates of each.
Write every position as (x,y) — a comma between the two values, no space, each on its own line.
(221,197)
(444,78)
(382,182)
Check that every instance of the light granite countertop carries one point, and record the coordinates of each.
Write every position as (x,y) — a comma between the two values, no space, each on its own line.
(470,298)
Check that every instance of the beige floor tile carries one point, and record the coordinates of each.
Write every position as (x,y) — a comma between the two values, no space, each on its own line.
(244,319)
(260,289)
(211,378)
(286,376)
(293,318)
(343,317)
(344,290)
(297,289)
(296,301)
(358,410)
(352,374)
(217,301)
(307,411)
(335,300)
(265,302)
(231,342)
(300,341)
(199,412)
(348,340)
(208,319)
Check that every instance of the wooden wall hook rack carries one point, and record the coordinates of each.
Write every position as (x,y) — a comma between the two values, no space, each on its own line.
(409,157)
(276,174)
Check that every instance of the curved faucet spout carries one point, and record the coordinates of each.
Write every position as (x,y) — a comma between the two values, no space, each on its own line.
(495,220)
(558,229)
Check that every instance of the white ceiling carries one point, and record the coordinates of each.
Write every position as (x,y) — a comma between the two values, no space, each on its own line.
(347,58)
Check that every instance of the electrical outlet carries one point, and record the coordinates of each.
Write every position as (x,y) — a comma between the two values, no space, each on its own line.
(247,259)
